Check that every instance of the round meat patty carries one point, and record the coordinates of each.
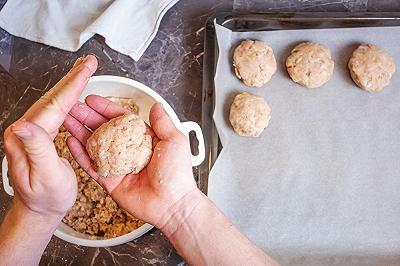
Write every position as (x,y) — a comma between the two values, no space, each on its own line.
(310,64)
(249,114)
(254,62)
(371,68)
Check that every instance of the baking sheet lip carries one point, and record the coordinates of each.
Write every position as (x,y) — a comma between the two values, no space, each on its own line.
(224,18)
(211,57)
(208,104)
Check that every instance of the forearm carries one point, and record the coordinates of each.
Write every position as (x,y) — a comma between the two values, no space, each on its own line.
(24,235)
(203,235)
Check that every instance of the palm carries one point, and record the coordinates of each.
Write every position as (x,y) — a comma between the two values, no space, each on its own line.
(150,193)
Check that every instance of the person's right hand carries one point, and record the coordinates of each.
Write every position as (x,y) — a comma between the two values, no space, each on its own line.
(160,188)
(164,193)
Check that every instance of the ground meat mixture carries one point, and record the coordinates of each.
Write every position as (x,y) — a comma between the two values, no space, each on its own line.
(127,103)
(94,212)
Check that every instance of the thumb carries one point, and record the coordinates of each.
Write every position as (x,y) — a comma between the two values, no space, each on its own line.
(162,124)
(37,144)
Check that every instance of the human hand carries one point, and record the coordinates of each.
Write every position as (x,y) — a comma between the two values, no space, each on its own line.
(152,194)
(45,184)
(164,192)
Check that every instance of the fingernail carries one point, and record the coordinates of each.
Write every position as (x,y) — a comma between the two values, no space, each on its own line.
(21,131)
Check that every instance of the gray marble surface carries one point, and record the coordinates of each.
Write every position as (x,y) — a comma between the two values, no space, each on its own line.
(172,66)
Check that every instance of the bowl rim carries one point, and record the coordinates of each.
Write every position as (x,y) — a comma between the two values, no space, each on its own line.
(142,87)
(114,241)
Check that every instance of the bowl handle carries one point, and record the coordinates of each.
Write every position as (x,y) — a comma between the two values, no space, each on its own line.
(6,182)
(186,128)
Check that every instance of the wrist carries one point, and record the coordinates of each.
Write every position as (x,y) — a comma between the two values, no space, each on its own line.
(25,235)
(39,223)
(180,212)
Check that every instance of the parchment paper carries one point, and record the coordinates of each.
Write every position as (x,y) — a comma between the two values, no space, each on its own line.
(321,186)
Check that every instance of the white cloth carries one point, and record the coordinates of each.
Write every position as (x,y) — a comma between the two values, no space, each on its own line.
(128,26)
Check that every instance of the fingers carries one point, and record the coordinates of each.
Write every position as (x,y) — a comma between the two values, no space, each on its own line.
(16,158)
(149,131)
(78,61)
(87,116)
(70,87)
(105,107)
(12,146)
(50,110)
(37,144)
(80,155)
(155,141)
(79,131)
(162,124)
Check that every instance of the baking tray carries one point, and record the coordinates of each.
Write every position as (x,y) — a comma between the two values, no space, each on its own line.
(241,22)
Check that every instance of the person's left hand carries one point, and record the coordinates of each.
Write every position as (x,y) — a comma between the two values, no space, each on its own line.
(45,184)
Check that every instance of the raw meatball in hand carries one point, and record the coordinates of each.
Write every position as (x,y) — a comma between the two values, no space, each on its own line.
(120,146)
(151,194)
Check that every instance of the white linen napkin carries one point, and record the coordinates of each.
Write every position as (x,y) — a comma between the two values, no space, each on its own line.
(128,26)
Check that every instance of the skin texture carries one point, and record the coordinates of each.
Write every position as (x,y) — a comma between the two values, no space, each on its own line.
(44,184)
(157,186)
(164,193)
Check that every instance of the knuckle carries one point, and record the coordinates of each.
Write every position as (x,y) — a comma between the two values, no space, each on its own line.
(7,139)
(7,133)
(39,148)
(180,137)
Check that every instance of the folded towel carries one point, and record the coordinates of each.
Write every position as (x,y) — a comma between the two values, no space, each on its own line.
(128,26)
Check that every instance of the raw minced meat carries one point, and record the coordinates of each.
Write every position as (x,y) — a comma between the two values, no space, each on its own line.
(127,103)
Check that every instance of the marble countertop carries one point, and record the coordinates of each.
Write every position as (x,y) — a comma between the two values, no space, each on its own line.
(172,66)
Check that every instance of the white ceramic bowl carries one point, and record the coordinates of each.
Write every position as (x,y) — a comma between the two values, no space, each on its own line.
(144,98)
